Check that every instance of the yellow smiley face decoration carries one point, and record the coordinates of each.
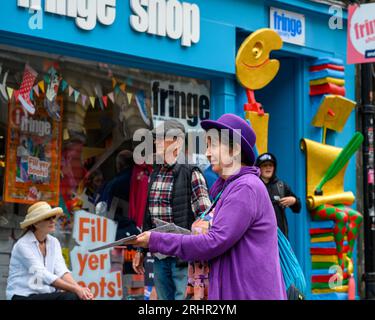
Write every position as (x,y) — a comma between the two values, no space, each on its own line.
(254,68)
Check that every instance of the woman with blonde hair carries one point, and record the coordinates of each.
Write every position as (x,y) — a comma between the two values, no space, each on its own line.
(37,268)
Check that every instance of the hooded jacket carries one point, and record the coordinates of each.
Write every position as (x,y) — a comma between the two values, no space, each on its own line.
(241,246)
(278,189)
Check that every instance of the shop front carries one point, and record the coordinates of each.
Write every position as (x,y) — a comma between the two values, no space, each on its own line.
(89,74)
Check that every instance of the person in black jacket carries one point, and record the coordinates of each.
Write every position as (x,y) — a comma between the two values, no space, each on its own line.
(280,193)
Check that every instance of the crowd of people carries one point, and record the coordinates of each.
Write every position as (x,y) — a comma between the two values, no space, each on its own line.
(233,209)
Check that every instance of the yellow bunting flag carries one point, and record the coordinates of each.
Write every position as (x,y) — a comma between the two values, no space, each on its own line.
(66,135)
(10,92)
(41,85)
(129,96)
(92,100)
(114,82)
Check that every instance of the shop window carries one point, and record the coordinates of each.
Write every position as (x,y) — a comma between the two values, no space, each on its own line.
(86,114)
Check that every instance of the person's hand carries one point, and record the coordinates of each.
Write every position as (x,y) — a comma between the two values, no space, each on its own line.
(138,263)
(84,293)
(287,201)
(142,240)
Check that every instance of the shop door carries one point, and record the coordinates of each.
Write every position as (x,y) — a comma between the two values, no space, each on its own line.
(281,99)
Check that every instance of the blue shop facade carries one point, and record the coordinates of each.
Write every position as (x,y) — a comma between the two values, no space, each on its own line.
(193,45)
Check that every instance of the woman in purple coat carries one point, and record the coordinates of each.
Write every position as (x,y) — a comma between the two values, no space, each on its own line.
(241,245)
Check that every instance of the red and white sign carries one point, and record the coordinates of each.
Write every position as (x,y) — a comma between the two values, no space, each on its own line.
(38,168)
(361,33)
(93,270)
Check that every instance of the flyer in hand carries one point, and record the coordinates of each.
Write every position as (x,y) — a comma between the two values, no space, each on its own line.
(166,227)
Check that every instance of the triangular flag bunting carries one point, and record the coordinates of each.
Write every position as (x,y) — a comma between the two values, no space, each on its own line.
(105,101)
(92,100)
(71,90)
(123,87)
(114,82)
(46,79)
(36,89)
(10,92)
(117,90)
(16,94)
(76,95)
(130,96)
(84,98)
(31,95)
(111,96)
(64,84)
(41,85)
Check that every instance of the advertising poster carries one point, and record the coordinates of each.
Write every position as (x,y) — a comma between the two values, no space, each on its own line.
(33,155)
(361,33)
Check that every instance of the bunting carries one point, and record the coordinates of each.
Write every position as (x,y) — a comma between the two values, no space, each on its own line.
(10,92)
(76,95)
(41,85)
(129,96)
(118,87)
(105,101)
(92,101)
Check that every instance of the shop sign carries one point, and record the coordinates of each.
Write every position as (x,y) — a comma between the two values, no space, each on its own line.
(187,102)
(33,155)
(166,18)
(173,19)
(85,13)
(361,33)
(289,25)
(93,270)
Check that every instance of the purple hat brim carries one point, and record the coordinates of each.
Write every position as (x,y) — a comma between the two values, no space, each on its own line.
(245,145)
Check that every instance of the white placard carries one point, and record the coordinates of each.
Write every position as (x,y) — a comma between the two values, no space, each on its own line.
(93,270)
(289,25)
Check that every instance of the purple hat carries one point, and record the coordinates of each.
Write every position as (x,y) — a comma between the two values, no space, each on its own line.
(231,121)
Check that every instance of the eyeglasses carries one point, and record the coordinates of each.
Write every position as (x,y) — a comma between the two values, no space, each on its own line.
(53,218)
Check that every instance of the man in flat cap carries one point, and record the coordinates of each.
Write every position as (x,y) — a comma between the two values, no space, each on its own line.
(177,193)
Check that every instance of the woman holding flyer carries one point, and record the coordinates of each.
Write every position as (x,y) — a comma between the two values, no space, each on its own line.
(37,268)
(241,245)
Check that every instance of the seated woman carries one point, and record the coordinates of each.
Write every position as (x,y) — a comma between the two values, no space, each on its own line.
(37,268)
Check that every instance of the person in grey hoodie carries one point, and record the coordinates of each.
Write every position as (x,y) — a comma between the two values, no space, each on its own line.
(242,244)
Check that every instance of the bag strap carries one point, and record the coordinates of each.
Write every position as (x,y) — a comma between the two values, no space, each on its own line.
(207,211)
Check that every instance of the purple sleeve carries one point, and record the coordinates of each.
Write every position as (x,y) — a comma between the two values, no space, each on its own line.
(235,216)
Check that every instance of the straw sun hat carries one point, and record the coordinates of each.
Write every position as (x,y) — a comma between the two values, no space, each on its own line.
(38,212)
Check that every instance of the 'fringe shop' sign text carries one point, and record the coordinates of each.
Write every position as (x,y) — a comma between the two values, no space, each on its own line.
(165,18)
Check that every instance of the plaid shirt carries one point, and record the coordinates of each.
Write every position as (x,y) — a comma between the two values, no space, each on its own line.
(160,200)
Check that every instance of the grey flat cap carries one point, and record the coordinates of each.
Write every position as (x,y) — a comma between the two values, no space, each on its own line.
(170,127)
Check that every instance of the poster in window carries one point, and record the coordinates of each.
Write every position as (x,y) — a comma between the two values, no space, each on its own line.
(33,155)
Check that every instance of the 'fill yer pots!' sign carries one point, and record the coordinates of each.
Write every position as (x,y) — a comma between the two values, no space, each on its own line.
(93,270)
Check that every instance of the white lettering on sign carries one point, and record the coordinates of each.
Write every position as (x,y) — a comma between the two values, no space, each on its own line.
(85,12)
(167,18)
(38,168)
(33,126)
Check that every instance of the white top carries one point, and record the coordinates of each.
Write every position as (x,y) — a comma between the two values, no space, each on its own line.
(32,273)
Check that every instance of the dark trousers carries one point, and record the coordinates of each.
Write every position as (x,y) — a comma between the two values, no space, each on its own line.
(48,296)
